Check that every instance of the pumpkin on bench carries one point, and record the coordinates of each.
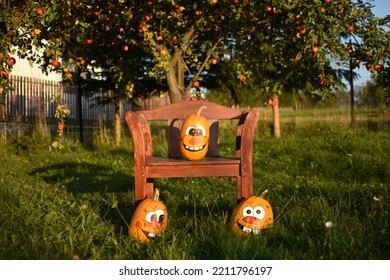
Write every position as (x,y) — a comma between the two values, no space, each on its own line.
(180,164)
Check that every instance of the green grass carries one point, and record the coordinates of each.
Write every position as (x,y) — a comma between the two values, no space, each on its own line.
(78,201)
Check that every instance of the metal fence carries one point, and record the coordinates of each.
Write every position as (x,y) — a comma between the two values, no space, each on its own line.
(31,100)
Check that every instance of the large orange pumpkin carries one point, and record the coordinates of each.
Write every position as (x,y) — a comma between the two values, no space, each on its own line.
(194,136)
(251,215)
(149,219)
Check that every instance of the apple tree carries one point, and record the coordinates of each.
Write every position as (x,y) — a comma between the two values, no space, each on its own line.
(304,45)
(278,46)
(12,14)
(88,42)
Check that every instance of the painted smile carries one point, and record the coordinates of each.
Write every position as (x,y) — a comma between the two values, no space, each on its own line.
(150,235)
(248,230)
(194,149)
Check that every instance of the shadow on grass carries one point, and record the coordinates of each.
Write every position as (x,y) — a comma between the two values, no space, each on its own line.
(85,177)
(102,187)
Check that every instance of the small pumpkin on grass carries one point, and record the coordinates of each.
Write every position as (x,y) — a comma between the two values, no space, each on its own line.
(150,219)
(194,136)
(251,215)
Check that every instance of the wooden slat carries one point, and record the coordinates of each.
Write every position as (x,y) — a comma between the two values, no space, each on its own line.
(159,161)
(181,110)
(196,170)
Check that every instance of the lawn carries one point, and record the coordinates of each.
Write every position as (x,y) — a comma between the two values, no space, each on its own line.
(329,188)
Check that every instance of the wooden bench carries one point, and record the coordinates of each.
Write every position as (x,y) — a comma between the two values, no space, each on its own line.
(147,166)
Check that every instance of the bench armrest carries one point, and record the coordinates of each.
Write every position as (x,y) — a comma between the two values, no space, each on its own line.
(244,138)
(142,138)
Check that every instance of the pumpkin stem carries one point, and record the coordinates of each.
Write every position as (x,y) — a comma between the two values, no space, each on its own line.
(200,110)
(156,194)
(263,193)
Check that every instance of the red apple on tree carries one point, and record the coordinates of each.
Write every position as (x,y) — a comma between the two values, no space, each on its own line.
(198,13)
(196,83)
(332,48)
(4,74)
(315,49)
(370,68)
(302,30)
(39,11)
(349,48)
(323,82)
(11,61)
(143,28)
(214,61)
(89,41)
(55,63)
(356,62)
(243,78)
(377,67)
(351,28)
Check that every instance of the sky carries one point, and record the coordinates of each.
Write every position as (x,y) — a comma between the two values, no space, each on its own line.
(382,8)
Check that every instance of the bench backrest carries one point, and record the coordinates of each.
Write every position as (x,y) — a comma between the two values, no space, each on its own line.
(177,112)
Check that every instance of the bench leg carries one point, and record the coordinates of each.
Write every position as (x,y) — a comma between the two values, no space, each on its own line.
(244,187)
(149,187)
(143,186)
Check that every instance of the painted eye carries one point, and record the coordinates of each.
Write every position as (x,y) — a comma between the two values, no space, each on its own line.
(259,212)
(247,211)
(200,131)
(190,130)
(151,217)
(160,215)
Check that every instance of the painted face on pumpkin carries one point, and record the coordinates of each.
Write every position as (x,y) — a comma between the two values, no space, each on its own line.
(251,216)
(150,219)
(150,224)
(194,137)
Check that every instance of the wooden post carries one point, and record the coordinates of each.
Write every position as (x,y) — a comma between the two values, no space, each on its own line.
(352,92)
(80,107)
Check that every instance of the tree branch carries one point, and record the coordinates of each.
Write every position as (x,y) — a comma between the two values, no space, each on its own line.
(206,60)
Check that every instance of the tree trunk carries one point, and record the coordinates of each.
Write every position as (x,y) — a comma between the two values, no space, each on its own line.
(173,85)
(118,126)
(175,79)
(276,117)
(175,73)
